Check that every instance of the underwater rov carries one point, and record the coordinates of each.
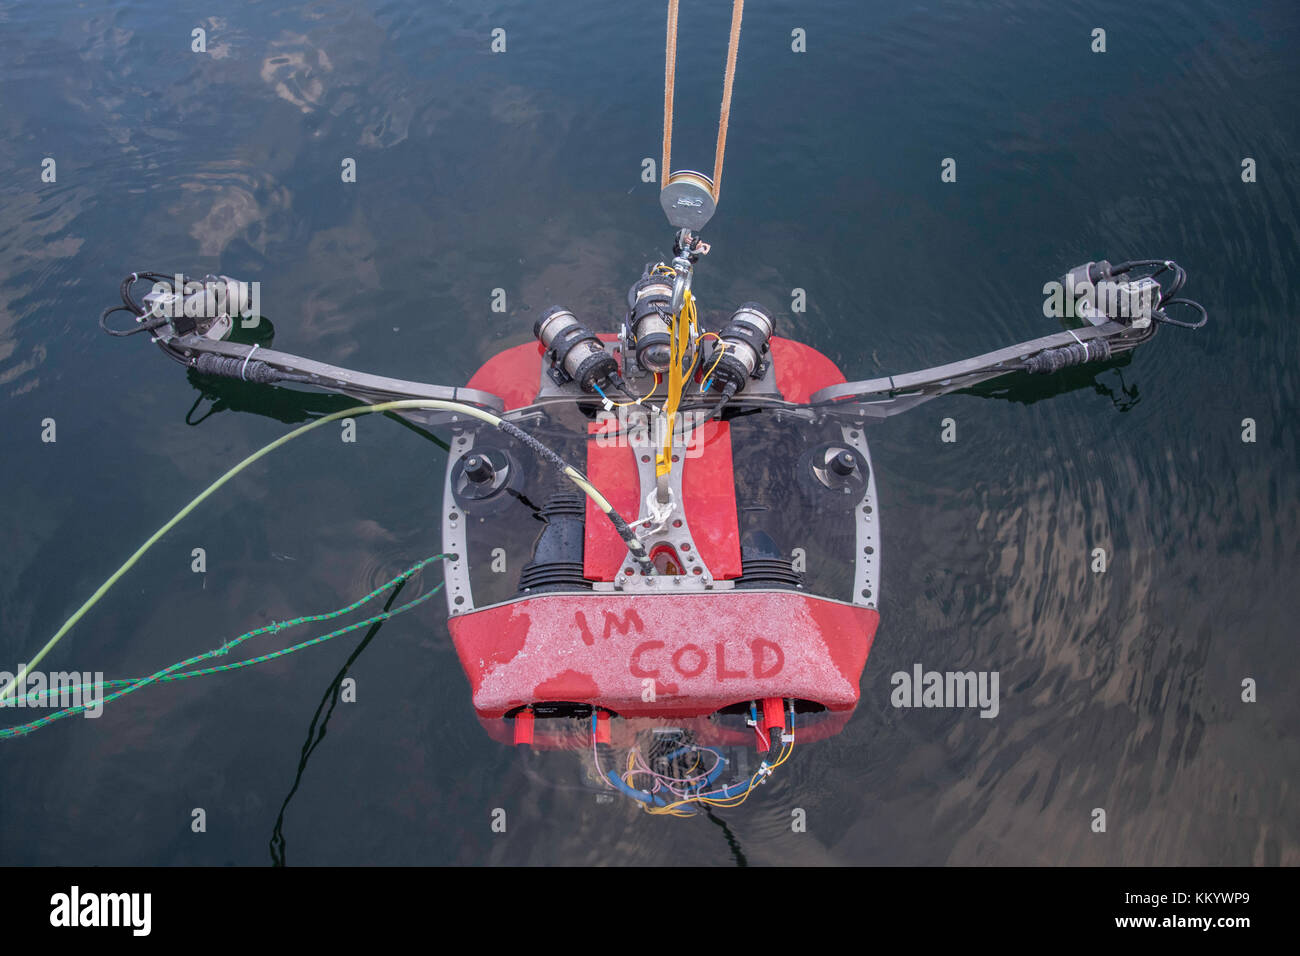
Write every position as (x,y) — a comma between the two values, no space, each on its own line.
(709,581)
(712,582)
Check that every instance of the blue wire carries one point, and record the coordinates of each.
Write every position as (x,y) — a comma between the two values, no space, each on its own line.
(715,772)
(640,795)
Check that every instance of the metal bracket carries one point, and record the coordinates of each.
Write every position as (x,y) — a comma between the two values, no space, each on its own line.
(455,537)
(676,530)
(866,565)
(681,282)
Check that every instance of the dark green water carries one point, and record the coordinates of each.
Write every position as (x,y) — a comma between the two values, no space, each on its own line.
(521,171)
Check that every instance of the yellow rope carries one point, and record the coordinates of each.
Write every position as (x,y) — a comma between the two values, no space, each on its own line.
(733,47)
(728,81)
(670,79)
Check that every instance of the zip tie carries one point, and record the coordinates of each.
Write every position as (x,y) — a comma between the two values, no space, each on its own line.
(659,514)
(1087,353)
(246,358)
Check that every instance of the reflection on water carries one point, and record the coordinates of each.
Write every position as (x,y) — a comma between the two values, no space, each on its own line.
(521,172)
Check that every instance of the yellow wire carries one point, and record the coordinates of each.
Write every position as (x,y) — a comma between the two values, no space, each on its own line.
(690,372)
(640,401)
(673,809)
(722,349)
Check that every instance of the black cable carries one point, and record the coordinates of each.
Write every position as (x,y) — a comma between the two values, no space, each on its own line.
(316,729)
(1162,317)
(1121,267)
(1163,265)
(728,392)
(246,369)
(1076,353)
(139,327)
(634,545)
(129,304)
(737,853)
(1168,296)
(124,290)
(1180,277)
(616,380)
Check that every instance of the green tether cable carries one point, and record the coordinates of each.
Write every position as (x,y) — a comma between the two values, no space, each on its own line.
(579,479)
(168,673)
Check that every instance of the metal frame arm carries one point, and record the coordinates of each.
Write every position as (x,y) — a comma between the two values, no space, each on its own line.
(880,398)
(299,370)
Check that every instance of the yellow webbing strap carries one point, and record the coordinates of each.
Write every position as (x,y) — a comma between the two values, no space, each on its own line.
(682,335)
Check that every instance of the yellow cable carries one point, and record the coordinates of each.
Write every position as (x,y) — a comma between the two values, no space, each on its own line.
(722,349)
(643,399)
(736,800)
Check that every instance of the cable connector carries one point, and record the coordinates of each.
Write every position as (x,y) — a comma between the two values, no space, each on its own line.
(761,740)
(524,728)
(689,245)
(773,713)
(600,727)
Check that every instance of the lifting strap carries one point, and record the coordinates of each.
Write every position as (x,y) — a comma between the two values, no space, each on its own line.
(728,80)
